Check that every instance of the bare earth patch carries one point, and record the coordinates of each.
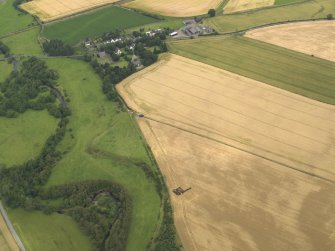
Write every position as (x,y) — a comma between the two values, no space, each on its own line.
(7,242)
(175,8)
(314,38)
(248,150)
(49,10)
(242,5)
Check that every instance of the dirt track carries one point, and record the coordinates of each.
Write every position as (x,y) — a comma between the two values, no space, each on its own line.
(175,8)
(49,10)
(314,38)
(224,135)
(242,5)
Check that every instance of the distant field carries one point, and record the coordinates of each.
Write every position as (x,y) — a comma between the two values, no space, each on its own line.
(24,43)
(95,23)
(313,38)
(175,8)
(306,10)
(22,138)
(49,10)
(243,5)
(7,242)
(8,14)
(97,129)
(249,152)
(308,76)
(54,232)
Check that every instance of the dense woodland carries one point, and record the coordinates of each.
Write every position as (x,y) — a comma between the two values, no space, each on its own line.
(57,47)
(29,88)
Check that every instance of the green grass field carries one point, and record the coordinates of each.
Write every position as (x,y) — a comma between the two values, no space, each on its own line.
(24,43)
(94,23)
(5,70)
(169,23)
(40,232)
(11,19)
(22,138)
(96,125)
(281,2)
(296,72)
(312,9)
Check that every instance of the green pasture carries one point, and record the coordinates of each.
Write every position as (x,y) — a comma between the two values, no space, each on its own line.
(313,9)
(55,232)
(296,72)
(95,23)
(168,23)
(23,138)
(102,144)
(5,70)
(12,20)
(282,2)
(24,43)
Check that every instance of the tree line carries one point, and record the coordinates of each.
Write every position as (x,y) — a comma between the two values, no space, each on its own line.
(56,47)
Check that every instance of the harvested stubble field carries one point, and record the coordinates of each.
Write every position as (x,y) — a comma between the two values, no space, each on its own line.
(310,9)
(7,242)
(249,151)
(314,38)
(49,10)
(175,8)
(242,5)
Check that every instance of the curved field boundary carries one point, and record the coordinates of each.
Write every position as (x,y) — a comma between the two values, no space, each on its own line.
(11,228)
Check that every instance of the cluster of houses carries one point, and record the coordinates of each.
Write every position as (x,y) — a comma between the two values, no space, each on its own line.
(191,29)
(152,33)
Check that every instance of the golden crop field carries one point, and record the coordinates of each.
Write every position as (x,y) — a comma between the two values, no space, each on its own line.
(242,5)
(7,242)
(313,38)
(49,10)
(174,8)
(259,159)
